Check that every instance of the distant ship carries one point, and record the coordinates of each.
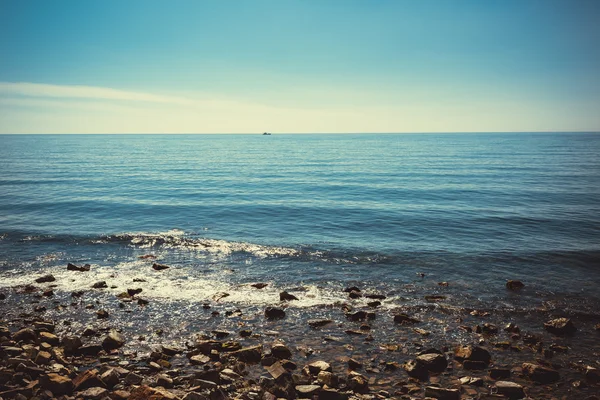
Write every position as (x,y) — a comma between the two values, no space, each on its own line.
(266,133)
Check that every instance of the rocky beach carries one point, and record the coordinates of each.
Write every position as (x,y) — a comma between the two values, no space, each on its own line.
(93,344)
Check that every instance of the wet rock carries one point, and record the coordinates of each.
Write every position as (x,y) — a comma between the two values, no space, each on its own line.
(354,364)
(405,319)
(113,340)
(487,329)
(248,354)
(48,293)
(90,350)
(100,285)
(43,358)
(357,382)
(511,390)
(328,378)
(102,314)
(71,344)
(73,267)
(143,302)
(2,296)
(374,304)
(375,296)
(539,373)
(474,365)
(88,379)
(146,392)
(194,396)
(441,393)
(276,370)
(93,393)
(355,295)
(307,391)
(133,292)
(164,381)
(199,359)
(352,289)
(133,379)
(332,394)
(274,313)
(25,335)
(159,267)
(77,293)
(259,285)
(435,297)
(281,351)
(560,326)
(317,366)
(511,327)
(110,377)
(514,285)
(170,350)
(49,338)
(592,374)
(416,370)
(45,279)
(285,296)
(433,362)
(500,373)
(57,384)
(472,353)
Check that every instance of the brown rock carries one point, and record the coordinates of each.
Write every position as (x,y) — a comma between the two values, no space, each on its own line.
(472,353)
(281,351)
(500,373)
(199,359)
(133,292)
(57,384)
(147,393)
(73,267)
(405,319)
(159,267)
(25,335)
(416,370)
(357,382)
(317,366)
(43,358)
(248,354)
(307,391)
(274,313)
(560,326)
(514,285)
(317,323)
(71,344)
(441,393)
(88,379)
(433,362)
(45,279)
(285,296)
(353,364)
(110,377)
(102,314)
(113,340)
(328,378)
(120,395)
(511,390)
(540,374)
(259,285)
(93,393)
(100,285)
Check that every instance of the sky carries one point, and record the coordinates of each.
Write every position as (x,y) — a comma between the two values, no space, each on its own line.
(295,66)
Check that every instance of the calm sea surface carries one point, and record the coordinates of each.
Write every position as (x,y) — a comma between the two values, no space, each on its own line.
(311,213)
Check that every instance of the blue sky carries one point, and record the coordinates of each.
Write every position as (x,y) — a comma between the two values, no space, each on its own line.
(140,66)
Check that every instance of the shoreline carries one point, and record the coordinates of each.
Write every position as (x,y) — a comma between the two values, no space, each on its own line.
(89,344)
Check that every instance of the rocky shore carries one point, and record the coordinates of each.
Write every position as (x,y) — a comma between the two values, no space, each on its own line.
(90,345)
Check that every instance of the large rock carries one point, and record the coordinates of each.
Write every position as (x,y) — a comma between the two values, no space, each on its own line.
(539,373)
(100,285)
(159,267)
(281,351)
(416,370)
(285,296)
(45,279)
(441,393)
(73,267)
(49,338)
(560,326)
(93,393)
(514,285)
(511,390)
(71,344)
(249,354)
(113,340)
(405,319)
(147,393)
(88,379)
(357,382)
(57,384)
(317,366)
(472,353)
(433,362)
(25,335)
(274,313)
(307,391)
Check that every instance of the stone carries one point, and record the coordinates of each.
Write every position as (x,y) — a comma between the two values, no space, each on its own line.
(307,391)
(147,393)
(357,383)
(90,349)
(164,381)
(259,285)
(71,344)
(540,374)
(133,292)
(120,395)
(113,340)
(25,335)
(49,338)
(102,314)
(249,354)
(514,285)
(73,267)
(57,384)
(285,296)
(416,370)
(405,319)
(511,390)
(170,351)
(328,378)
(433,362)
(281,351)
(276,370)
(204,384)
(317,366)
(159,267)
(199,359)
(45,279)
(441,393)
(93,393)
(355,295)
(88,379)
(354,364)
(274,313)
(133,378)
(110,377)
(472,353)
(471,380)
(43,358)
(100,285)
(560,326)
(194,396)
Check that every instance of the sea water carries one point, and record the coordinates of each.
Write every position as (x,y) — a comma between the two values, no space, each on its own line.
(312,214)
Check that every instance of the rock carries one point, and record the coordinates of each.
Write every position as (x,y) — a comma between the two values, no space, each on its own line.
(88,379)
(164,381)
(133,292)
(100,285)
(259,285)
(435,297)
(43,358)
(90,349)
(433,362)
(120,395)
(2,296)
(354,295)
(471,380)
(441,393)
(285,296)
(133,379)
(77,293)
(352,289)
(328,378)
(416,370)
(73,267)
(57,384)
(353,364)
(375,296)
(472,353)
(110,377)
(159,267)
(249,354)
(514,285)
(487,329)
(276,370)
(405,319)
(540,374)
(274,313)
(147,393)
(199,359)
(357,383)
(560,326)
(45,279)
(592,374)
(170,351)
(113,340)
(143,302)
(102,314)
(49,338)
(307,391)
(25,335)
(511,390)
(317,366)
(71,344)
(474,365)
(93,393)
(281,351)
(194,396)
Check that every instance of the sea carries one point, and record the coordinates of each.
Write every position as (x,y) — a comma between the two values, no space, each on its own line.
(404,215)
